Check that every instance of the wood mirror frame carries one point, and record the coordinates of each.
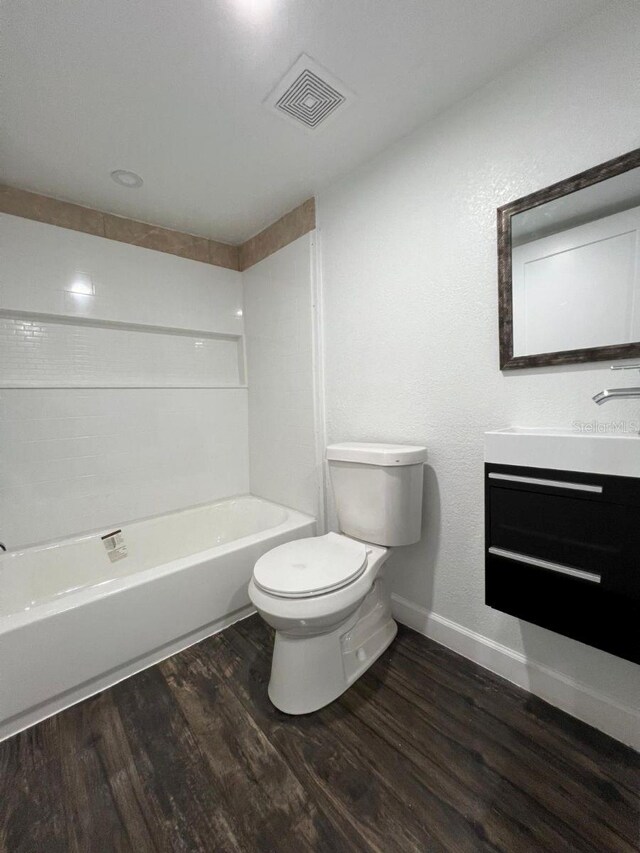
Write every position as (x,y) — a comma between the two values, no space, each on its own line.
(505,304)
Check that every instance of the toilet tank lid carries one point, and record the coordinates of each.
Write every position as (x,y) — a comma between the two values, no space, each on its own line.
(376,454)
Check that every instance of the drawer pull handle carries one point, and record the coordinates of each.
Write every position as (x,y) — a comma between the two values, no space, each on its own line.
(545,564)
(536,481)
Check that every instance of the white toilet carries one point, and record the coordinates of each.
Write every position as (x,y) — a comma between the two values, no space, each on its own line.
(324,596)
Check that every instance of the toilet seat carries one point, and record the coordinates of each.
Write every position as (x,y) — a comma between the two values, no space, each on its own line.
(309,567)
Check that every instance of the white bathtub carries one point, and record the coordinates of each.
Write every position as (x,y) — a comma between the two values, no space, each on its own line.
(73,622)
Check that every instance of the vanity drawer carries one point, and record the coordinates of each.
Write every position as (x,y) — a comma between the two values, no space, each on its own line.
(570,605)
(591,487)
(563,552)
(593,536)
(568,520)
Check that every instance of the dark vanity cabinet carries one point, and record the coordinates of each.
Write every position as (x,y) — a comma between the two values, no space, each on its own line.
(563,552)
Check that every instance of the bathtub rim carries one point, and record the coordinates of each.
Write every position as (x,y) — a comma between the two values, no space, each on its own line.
(70,600)
(44,544)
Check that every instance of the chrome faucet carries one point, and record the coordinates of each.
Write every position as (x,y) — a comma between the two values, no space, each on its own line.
(618,393)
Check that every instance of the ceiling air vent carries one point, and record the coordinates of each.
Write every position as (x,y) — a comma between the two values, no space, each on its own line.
(308,94)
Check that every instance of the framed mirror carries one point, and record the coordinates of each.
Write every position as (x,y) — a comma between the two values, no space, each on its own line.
(569,269)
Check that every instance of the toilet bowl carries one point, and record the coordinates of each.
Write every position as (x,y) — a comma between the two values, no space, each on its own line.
(325,596)
(325,636)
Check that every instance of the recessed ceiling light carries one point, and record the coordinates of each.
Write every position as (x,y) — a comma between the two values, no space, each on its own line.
(126,179)
(255,10)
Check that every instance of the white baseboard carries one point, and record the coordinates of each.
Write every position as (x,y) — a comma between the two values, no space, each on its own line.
(619,721)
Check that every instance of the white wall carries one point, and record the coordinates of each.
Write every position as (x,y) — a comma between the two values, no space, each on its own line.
(117,403)
(279,321)
(410,307)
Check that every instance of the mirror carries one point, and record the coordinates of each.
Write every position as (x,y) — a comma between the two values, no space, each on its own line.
(569,269)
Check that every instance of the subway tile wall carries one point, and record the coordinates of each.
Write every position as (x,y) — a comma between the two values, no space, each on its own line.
(40,353)
(76,459)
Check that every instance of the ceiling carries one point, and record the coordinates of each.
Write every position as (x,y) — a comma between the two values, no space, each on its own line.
(174,90)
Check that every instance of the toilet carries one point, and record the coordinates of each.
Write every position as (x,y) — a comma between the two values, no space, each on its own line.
(324,596)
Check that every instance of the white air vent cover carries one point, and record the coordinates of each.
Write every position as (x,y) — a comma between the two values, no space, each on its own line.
(308,94)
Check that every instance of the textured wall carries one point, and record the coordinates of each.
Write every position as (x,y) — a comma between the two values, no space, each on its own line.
(410,283)
(278,296)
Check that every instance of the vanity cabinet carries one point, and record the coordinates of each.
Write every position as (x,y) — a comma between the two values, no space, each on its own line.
(563,552)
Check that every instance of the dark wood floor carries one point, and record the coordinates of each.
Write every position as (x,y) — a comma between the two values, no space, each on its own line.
(426,752)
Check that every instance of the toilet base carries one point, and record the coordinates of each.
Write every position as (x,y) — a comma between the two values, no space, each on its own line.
(309,672)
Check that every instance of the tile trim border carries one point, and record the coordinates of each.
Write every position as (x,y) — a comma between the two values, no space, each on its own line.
(279,234)
(618,721)
(64,214)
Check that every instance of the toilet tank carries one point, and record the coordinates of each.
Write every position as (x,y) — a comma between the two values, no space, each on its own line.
(378,491)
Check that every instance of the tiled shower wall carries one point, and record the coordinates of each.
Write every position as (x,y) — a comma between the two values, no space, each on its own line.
(121,382)
(284,417)
(37,352)
(78,459)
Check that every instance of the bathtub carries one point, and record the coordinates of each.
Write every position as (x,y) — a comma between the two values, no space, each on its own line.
(79,615)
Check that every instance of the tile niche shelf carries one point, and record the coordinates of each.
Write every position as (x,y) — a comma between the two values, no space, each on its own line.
(57,351)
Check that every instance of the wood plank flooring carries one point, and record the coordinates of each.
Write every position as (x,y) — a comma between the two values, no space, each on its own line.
(427,752)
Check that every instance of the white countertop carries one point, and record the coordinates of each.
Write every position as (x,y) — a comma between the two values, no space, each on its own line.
(565,450)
